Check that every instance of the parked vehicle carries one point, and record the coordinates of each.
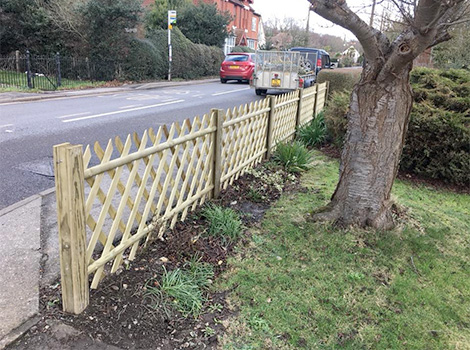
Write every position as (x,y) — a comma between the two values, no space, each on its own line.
(237,66)
(280,70)
(313,59)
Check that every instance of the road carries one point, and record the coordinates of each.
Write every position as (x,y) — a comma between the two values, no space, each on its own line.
(29,130)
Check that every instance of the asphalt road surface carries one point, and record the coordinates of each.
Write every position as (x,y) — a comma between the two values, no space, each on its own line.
(29,130)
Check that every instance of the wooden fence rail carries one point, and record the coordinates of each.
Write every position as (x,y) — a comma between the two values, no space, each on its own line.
(108,210)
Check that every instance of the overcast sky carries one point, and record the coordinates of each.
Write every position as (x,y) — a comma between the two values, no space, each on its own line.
(298,9)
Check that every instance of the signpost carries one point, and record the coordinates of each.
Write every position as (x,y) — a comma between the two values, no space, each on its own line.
(171,21)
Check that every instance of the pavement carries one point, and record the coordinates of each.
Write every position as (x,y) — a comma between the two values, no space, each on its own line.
(7,97)
(29,241)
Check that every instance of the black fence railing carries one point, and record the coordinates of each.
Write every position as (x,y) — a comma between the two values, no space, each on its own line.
(52,72)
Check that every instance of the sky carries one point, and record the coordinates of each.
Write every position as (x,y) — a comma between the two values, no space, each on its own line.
(298,9)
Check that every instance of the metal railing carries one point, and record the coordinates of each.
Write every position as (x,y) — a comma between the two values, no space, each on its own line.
(54,71)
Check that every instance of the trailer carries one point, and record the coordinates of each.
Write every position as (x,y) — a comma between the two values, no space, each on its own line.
(280,70)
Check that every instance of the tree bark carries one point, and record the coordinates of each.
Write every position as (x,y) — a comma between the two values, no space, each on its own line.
(377,125)
(380,106)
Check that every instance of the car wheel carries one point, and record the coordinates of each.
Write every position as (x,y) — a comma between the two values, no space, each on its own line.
(223,81)
(259,92)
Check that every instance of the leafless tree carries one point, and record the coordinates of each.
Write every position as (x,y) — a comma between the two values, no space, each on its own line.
(63,13)
(380,105)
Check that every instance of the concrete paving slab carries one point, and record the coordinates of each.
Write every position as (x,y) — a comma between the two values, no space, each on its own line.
(20,261)
(50,263)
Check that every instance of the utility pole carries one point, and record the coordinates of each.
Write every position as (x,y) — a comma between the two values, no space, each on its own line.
(308,27)
(372,13)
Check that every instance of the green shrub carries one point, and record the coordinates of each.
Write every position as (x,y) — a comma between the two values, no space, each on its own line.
(437,144)
(340,80)
(190,61)
(313,133)
(242,49)
(335,117)
(144,61)
(223,222)
(294,157)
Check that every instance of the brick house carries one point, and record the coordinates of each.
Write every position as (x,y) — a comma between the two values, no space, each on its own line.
(244,27)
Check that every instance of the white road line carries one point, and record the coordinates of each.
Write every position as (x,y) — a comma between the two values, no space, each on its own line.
(198,95)
(131,106)
(229,92)
(3,126)
(73,115)
(123,111)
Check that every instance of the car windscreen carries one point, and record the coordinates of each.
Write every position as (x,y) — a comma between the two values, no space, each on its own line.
(236,58)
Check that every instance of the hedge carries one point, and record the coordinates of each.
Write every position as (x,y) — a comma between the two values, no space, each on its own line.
(190,60)
(144,61)
(437,144)
(340,79)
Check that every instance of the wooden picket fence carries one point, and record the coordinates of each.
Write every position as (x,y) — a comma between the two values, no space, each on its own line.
(108,210)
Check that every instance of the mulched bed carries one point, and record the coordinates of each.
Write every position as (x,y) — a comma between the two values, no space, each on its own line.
(119,314)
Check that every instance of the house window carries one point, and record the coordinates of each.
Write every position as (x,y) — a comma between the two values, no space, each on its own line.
(229,44)
(253,24)
(251,43)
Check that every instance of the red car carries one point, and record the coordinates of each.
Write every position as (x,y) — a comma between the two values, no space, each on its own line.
(237,66)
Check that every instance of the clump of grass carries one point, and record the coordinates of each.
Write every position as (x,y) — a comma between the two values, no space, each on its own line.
(255,194)
(314,133)
(294,157)
(223,222)
(181,289)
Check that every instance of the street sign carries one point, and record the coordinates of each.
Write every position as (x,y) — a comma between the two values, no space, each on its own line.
(171,17)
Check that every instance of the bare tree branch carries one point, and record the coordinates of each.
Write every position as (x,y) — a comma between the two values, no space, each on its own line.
(339,13)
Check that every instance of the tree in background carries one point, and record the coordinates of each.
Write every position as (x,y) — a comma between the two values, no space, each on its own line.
(380,105)
(158,16)
(204,24)
(286,34)
(108,26)
(25,25)
(64,15)
(455,53)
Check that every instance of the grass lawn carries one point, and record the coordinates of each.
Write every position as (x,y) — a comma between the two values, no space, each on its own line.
(304,285)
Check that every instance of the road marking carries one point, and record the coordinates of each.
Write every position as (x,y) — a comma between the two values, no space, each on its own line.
(72,115)
(198,95)
(131,106)
(3,126)
(229,92)
(123,111)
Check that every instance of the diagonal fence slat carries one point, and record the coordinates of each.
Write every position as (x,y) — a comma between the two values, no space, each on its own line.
(157,178)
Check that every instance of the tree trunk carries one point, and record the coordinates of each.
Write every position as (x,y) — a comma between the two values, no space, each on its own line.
(377,123)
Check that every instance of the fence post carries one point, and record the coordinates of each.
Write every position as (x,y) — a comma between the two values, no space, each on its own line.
(57,61)
(28,70)
(17,56)
(299,109)
(70,194)
(270,128)
(327,91)
(315,103)
(87,61)
(219,120)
